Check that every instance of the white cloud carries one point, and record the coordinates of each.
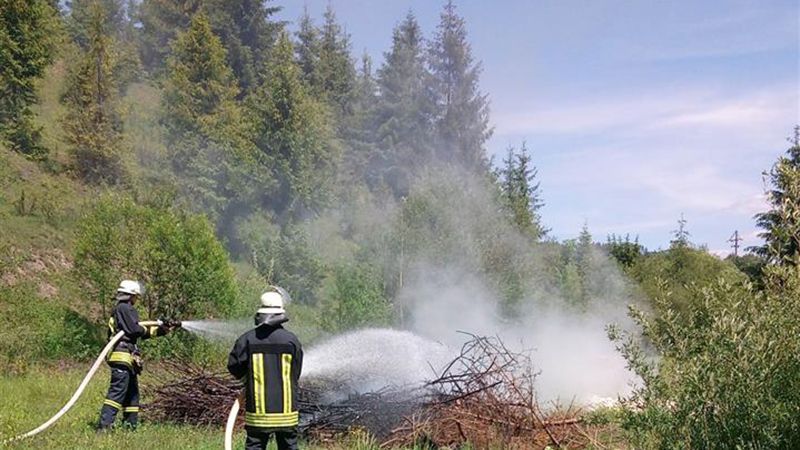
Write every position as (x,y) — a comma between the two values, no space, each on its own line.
(663,109)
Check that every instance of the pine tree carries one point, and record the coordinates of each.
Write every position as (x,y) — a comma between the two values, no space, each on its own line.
(243,26)
(781,224)
(308,49)
(117,23)
(206,134)
(681,235)
(200,90)
(161,21)
(584,252)
(624,251)
(403,114)
(336,74)
(358,130)
(27,31)
(462,121)
(293,134)
(520,192)
(246,33)
(81,16)
(93,124)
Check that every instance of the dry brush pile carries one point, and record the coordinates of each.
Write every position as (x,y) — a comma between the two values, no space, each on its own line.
(484,396)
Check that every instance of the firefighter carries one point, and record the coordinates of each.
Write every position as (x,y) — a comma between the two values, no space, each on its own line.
(125,359)
(268,359)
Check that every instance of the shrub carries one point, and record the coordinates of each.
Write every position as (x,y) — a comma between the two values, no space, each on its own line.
(355,300)
(726,373)
(183,266)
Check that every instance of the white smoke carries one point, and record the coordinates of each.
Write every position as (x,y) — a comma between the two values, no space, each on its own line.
(570,349)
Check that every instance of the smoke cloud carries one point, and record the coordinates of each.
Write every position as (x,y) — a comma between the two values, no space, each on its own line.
(445,287)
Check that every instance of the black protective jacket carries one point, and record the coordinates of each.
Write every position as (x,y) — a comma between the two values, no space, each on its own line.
(125,318)
(268,359)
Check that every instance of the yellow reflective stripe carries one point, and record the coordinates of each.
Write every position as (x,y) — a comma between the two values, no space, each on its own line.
(286,373)
(112,326)
(112,404)
(122,357)
(258,382)
(272,419)
(130,409)
(153,331)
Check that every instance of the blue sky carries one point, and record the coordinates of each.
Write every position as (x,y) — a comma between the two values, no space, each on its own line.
(636,111)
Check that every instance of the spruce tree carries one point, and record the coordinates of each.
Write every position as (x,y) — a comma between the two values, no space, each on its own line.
(93,124)
(358,130)
(308,49)
(200,90)
(81,16)
(520,192)
(206,134)
(293,134)
(403,113)
(27,31)
(118,25)
(781,224)
(161,21)
(584,252)
(336,74)
(247,34)
(243,26)
(462,121)
(681,235)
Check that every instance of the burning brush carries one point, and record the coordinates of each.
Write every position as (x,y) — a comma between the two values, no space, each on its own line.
(484,396)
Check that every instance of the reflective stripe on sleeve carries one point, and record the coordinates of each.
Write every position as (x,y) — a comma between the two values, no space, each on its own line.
(130,409)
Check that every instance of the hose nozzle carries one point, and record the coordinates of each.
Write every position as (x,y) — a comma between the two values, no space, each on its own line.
(171,323)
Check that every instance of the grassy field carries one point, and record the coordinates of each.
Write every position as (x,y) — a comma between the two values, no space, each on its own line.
(28,400)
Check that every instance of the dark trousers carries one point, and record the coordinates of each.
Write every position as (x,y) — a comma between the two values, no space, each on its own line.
(258,440)
(123,394)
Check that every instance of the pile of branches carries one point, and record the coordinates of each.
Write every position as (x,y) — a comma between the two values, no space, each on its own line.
(484,396)
(187,393)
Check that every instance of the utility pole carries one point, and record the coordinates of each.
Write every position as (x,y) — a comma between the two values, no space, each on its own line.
(735,239)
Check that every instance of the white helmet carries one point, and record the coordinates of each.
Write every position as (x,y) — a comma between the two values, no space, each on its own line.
(271,303)
(130,287)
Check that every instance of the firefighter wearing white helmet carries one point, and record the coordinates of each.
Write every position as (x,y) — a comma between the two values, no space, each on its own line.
(268,359)
(124,359)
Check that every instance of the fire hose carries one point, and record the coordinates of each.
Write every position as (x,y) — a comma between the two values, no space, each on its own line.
(84,383)
(230,424)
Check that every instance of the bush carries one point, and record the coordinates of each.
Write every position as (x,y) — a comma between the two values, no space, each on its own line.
(683,269)
(356,300)
(184,268)
(726,374)
(283,257)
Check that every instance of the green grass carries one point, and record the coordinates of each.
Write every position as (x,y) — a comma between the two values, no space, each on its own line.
(28,400)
